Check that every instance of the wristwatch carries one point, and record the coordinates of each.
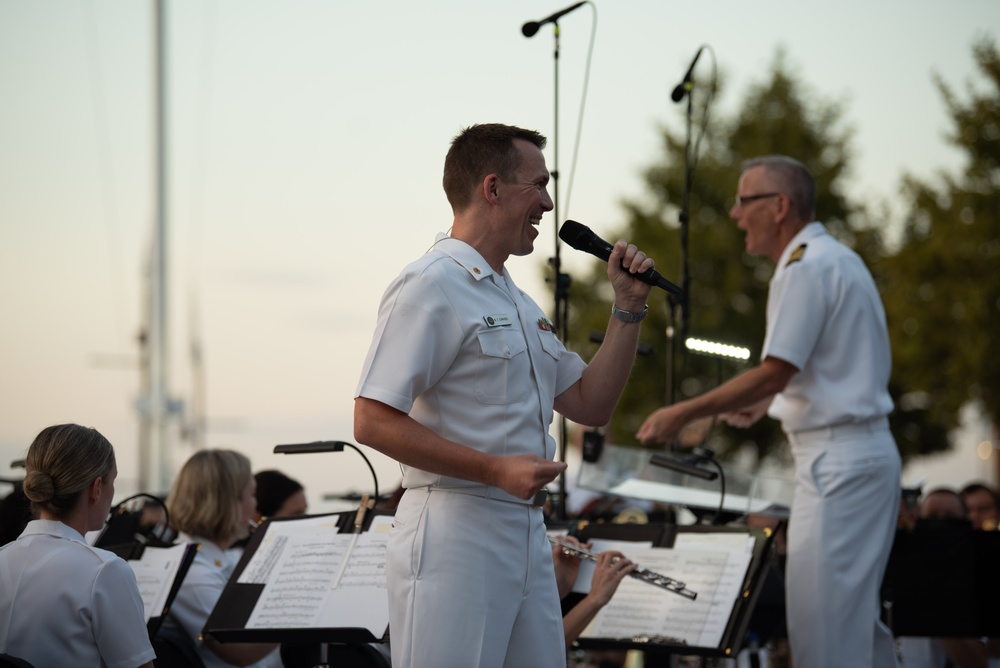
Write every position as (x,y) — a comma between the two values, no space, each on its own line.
(629,316)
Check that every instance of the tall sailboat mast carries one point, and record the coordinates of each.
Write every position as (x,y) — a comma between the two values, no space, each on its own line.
(154,462)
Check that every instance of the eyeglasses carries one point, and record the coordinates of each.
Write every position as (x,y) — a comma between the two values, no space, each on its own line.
(746,199)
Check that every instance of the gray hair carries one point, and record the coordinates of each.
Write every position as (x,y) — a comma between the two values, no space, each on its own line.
(792,177)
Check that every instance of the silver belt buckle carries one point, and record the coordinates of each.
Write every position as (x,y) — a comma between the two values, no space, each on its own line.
(541,496)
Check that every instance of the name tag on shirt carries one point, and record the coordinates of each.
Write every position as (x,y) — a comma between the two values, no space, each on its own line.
(497,320)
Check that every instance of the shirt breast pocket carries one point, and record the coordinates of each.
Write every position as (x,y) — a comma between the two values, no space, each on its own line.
(503,372)
(550,344)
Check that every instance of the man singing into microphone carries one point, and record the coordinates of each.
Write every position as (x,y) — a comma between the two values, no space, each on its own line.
(460,385)
(824,374)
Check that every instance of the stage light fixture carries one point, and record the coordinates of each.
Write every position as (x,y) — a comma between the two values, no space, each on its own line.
(717,349)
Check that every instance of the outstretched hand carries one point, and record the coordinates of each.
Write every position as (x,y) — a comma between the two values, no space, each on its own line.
(662,426)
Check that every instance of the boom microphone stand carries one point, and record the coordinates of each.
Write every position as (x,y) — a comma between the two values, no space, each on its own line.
(560,281)
(682,302)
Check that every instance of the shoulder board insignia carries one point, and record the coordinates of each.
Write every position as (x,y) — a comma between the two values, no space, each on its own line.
(796,255)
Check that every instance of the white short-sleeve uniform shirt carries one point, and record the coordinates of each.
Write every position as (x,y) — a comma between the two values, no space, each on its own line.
(66,603)
(464,352)
(200,591)
(825,316)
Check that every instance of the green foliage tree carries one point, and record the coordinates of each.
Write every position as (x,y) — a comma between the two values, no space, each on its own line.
(942,286)
(728,287)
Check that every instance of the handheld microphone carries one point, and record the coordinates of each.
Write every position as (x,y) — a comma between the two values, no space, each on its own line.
(583,238)
(685,85)
(531,27)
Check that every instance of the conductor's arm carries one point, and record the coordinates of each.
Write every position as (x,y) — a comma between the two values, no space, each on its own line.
(750,388)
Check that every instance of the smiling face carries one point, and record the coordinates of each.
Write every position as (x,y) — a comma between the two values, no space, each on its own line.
(523,200)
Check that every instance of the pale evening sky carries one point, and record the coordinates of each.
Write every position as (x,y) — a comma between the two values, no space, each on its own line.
(306,139)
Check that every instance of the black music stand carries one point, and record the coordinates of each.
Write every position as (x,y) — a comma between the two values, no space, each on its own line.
(229,619)
(178,564)
(665,536)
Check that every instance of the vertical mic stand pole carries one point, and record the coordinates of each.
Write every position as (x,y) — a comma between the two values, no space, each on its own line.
(685,219)
(560,280)
(683,301)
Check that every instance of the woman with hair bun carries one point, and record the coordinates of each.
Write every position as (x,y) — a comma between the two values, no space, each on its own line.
(62,601)
(212,503)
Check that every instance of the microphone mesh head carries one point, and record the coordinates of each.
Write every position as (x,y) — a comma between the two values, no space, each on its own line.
(530,28)
(573,233)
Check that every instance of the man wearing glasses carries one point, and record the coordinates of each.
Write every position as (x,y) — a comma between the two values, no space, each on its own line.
(824,374)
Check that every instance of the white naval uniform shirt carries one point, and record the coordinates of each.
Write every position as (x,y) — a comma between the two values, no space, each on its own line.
(200,591)
(825,317)
(66,603)
(468,355)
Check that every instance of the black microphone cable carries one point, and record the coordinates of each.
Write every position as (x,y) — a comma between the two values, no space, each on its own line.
(583,104)
(529,30)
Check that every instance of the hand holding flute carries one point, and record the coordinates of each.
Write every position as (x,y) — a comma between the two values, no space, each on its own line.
(611,568)
(572,545)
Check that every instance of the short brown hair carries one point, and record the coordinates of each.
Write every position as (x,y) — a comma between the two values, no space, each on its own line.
(479,150)
(62,462)
(205,499)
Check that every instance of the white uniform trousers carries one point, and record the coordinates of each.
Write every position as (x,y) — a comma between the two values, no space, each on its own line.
(471,583)
(841,530)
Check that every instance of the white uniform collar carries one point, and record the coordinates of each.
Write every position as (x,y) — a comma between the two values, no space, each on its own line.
(464,254)
(52,528)
(212,552)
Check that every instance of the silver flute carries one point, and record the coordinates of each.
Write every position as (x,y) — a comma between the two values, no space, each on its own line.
(640,573)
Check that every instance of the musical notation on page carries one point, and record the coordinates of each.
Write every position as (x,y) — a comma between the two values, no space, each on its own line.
(714,565)
(155,573)
(314,576)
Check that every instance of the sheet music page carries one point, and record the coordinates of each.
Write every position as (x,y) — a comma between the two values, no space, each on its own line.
(713,567)
(155,573)
(316,577)
(360,599)
(279,535)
